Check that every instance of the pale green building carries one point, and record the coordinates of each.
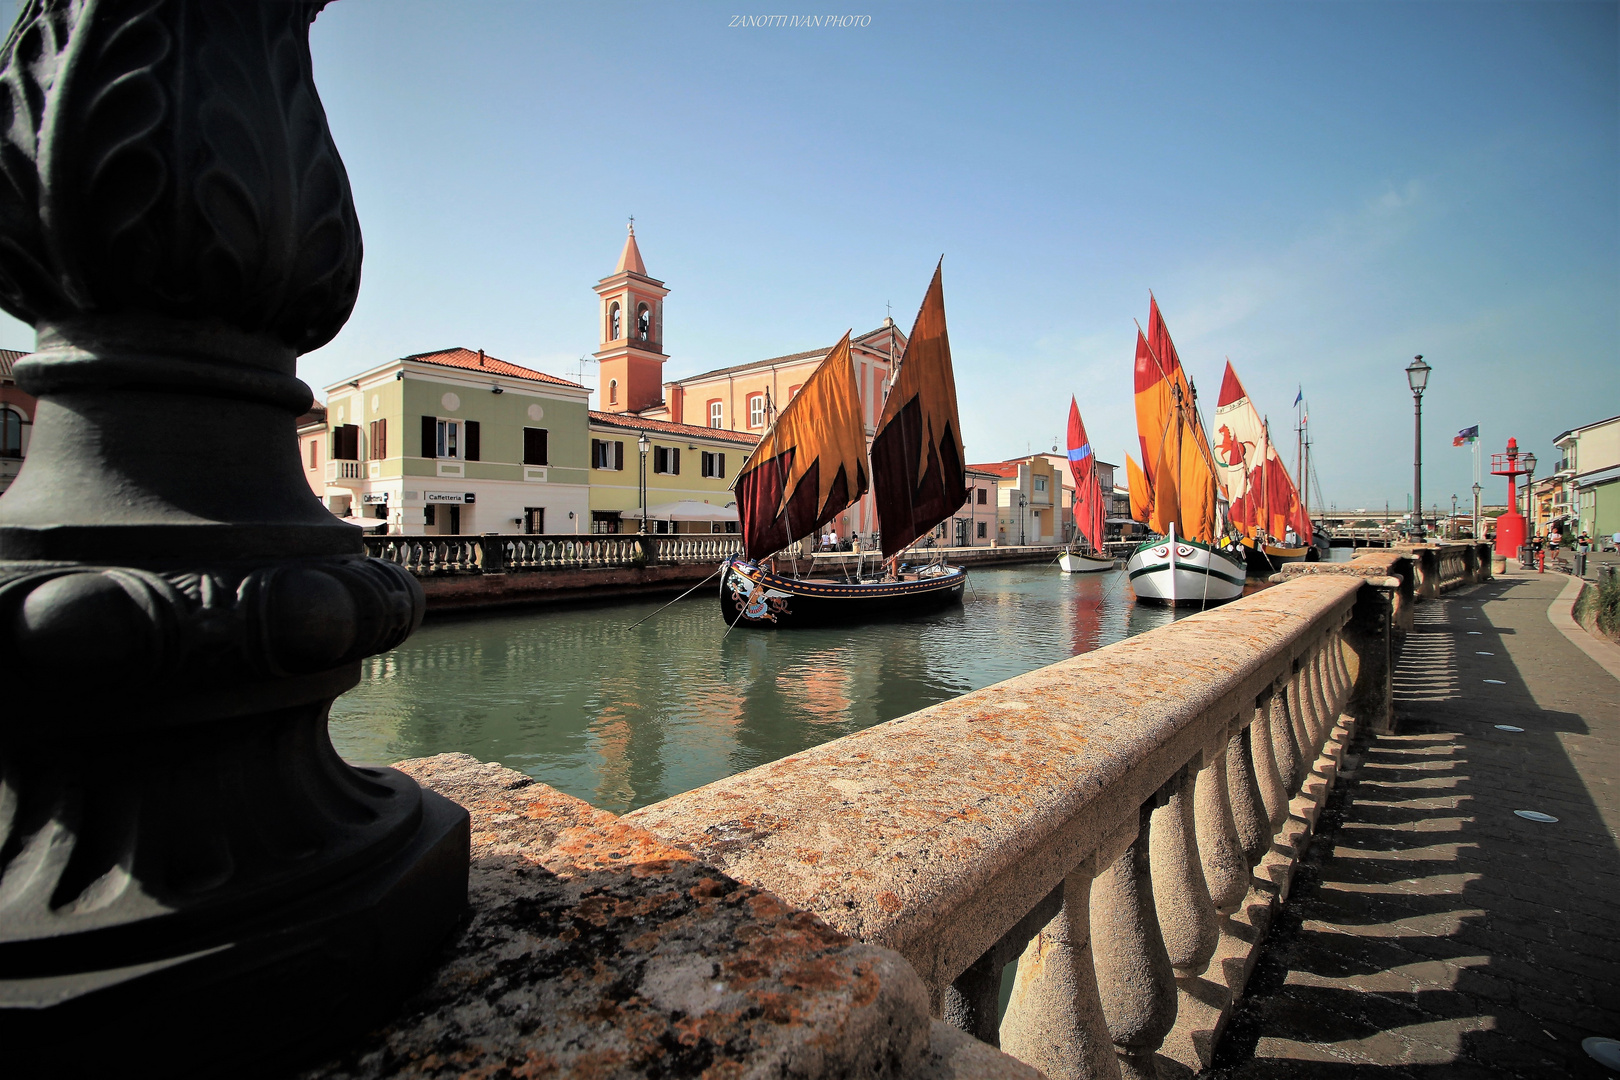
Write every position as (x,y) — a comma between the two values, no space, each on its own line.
(455,442)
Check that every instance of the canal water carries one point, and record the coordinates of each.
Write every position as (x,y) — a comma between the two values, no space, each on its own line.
(622,715)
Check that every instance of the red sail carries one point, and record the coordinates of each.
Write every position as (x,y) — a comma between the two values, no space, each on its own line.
(1089,511)
(918,473)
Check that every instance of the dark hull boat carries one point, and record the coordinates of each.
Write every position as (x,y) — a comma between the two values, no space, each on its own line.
(1263,560)
(812,463)
(751,595)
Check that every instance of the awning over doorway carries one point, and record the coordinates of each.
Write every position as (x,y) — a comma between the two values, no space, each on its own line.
(685,510)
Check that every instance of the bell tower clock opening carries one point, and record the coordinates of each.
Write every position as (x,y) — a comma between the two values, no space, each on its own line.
(631,356)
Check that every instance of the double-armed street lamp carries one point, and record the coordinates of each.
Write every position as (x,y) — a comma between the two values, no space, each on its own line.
(1529,462)
(1417,377)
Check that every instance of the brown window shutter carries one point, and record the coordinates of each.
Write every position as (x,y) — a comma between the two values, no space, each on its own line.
(430,436)
(545,448)
(720,460)
(472,441)
(675,461)
(618,456)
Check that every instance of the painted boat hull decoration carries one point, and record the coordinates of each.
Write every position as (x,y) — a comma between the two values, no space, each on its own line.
(751,595)
(1266,559)
(1184,573)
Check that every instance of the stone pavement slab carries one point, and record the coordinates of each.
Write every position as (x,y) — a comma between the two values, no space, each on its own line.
(1433,933)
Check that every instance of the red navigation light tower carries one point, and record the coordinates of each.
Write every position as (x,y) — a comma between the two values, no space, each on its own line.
(1510,534)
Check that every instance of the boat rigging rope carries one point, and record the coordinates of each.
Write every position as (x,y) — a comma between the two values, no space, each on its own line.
(681,597)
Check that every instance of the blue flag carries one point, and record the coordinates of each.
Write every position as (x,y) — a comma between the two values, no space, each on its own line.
(1299,396)
(1466,435)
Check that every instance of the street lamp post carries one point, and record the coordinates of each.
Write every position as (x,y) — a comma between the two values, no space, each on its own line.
(643,444)
(1529,461)
(1476,536)
(1453,529)
(1417,377)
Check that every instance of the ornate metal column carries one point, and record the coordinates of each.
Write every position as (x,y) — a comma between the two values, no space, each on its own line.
(186,866)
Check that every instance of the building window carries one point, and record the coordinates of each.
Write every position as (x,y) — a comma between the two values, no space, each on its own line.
(716,414)
(667,459)
(606,521)
(1040,483)
(981,529)
(714,465)
(534,447)
(613,323)
(10,433)
(379,440)
(643,322)
(793,391)
(346,442)
(447,444)
(756,410)
(607,454)
(534,519)
(613,391)
(984,497)
(314,453)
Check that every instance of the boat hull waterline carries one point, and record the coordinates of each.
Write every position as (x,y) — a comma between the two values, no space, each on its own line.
(751,595)
(1076,563)
(1181,573)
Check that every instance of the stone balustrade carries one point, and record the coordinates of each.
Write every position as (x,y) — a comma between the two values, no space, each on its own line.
(430,556)
(1097,821)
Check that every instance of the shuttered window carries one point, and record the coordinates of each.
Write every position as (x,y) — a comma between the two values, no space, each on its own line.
(430,435)
(346,442)
(714,465)
(534,446)
(379,440)
(472,446)
(667,459)
(618,456)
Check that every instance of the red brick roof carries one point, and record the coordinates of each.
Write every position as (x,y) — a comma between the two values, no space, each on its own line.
(999,468)
(633,422)
(477,361)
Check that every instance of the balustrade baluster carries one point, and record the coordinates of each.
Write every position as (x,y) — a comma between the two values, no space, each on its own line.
(1135,982)
(1187,918)
(1055,1017)
(1299,727)
(1226,871)
(1284,744)
(1316,693)
(1270,771)
(1341,673)
(1243,792)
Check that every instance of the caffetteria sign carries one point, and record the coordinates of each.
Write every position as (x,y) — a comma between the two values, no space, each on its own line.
(461,497)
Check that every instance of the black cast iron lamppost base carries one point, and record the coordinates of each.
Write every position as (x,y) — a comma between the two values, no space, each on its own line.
(191,879)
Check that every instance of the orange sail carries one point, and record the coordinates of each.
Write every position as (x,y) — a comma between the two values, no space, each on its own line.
(918,474)
(1141,495)
(1176,457)
(810,465)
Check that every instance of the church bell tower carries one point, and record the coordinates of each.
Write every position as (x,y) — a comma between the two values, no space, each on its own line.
(632,355)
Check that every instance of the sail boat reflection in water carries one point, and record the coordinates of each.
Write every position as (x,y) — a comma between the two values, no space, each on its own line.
(812,464)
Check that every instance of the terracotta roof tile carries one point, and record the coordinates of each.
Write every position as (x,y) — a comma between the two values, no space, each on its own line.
(469,360)
(809,354)
(669,427)
(998,468)
(8,361)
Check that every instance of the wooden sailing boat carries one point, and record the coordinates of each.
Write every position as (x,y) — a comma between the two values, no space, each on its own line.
(812,464)
(1265,504)
(1088,502)
(1174,491)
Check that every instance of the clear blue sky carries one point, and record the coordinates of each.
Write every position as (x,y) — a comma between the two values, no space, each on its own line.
(1318,191)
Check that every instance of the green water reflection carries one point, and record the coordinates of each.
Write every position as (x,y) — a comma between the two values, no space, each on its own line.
(624,717)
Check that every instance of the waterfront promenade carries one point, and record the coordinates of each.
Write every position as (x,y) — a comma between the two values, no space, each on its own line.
(1432,933)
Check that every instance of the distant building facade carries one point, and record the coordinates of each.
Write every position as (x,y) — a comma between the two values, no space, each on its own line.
(16,418)
(683,463)
(1030,507)
(1587,496)
(457,442)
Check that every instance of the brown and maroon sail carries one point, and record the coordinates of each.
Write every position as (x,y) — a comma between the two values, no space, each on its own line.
(918,473)
(810,465)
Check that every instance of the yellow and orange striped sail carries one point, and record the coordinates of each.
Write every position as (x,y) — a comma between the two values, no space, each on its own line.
(1141,494)
(810,465)
(1175,451)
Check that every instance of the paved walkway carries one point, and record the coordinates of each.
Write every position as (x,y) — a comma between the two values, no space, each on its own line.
(1433,933)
